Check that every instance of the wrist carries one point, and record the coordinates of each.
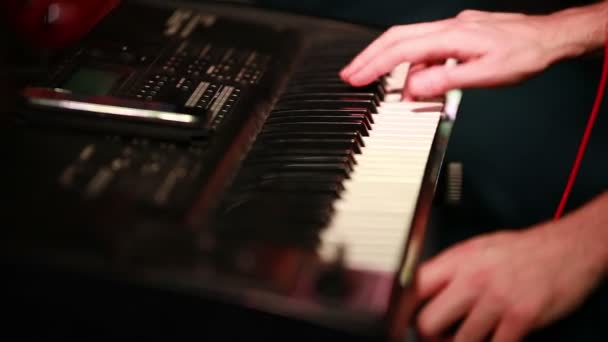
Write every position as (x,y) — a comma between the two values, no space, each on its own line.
(576,31)
(585,233)
(599,226)
(603,226)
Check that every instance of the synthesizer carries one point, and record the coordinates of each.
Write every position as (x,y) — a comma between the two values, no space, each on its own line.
(212,150)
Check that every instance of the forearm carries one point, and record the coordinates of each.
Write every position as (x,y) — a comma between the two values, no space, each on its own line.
(594,224)
(579,30)
(586,232)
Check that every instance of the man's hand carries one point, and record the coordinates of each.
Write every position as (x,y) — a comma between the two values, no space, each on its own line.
(493,49)
(505,285)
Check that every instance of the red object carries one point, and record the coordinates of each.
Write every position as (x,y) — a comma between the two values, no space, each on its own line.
(54,23)
(586,135)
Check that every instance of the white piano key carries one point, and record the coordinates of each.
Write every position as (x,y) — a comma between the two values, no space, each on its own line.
(393,97)
(373,215)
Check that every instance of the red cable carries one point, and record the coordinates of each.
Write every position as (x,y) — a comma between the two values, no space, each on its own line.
(583,145)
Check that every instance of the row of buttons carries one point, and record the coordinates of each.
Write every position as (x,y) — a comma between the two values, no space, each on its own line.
(153,87)
(254,67)
(223,104)
(215,100)
(223,64)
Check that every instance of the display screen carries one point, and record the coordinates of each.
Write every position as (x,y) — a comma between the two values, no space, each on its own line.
(92,82)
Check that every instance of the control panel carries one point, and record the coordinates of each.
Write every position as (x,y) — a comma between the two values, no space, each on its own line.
(182,82)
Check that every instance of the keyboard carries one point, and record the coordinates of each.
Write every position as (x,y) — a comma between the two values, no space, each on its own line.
(231,163)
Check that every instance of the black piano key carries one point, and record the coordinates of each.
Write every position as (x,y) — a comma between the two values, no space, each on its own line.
(244,181)
(339,169)
(359,119)
(312,126)
(301,159)
(326,89)
(351,144)
(326,104)
(269,135)
(318,127)
(340,96)
(302,177)
(252,181)
(311,201)
(261,152)
(334,87)
(330,112)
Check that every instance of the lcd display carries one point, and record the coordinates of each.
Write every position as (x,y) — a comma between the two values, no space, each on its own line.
(92,82)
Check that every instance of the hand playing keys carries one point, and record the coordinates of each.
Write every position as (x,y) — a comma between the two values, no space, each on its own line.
(493,49)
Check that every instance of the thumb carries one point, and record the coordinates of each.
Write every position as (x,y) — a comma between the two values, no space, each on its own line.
(437,80)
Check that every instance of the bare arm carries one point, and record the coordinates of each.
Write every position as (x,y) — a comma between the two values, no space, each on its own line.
(493,48)
(581,29)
